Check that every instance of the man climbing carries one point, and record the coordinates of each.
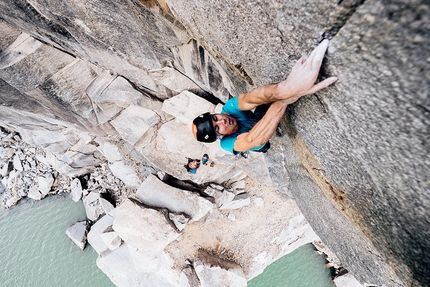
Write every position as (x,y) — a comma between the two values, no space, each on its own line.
(239,129)
(192,165)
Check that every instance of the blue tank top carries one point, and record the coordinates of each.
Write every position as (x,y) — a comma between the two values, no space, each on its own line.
(245,119)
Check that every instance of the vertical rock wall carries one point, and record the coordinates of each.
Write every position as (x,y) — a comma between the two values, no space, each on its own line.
(368,139)
(359,168)
(363,141)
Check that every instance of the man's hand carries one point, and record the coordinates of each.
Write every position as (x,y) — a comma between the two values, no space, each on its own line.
(301,80)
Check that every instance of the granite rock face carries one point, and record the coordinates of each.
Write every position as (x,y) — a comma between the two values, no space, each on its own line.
(108,83)
(362,141)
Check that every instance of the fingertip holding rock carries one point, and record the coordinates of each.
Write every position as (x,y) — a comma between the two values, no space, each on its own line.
(324,42)
(330,80)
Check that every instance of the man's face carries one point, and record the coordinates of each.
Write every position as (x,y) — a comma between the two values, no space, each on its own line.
(193,164)
(224,124)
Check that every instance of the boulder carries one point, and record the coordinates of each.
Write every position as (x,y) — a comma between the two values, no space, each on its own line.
(128,267)
(154,192)
(186,106)
(78,233)
(214,271)
(106,205)
(85,145)
(224,198)
(34,193)
(103,225)
(126,173)
(133,123)
(17,163)
(188,278)
(45,183)
(109,150)
(4,170)
(221,196)
(144,228)
(51,160)
(104,92)
(9,152)
(173,79)
(92,206)
(238,185)
(347,280)
(111,239)
(179,219)
(238,201)
(76,189)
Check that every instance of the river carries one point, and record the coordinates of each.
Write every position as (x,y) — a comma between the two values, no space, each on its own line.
(35,250)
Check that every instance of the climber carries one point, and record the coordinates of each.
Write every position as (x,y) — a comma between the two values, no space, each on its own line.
(239,129)
(192,165)
(205,159)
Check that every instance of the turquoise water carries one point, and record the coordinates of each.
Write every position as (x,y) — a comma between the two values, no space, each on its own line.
(301,268)
(35,250)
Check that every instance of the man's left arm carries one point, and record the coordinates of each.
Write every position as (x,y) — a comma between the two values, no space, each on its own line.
(263,129)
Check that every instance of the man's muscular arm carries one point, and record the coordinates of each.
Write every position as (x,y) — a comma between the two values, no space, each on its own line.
(300,82)
(263,130)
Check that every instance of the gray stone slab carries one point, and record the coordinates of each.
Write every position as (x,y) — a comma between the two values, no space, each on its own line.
(78,233)
(154,192)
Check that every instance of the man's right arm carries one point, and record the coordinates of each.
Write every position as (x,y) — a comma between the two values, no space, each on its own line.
(300,82)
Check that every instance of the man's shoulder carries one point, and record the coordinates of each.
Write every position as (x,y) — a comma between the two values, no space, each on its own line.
(231,106)
(227,142)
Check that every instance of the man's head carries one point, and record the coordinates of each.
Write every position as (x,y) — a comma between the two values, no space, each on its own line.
(207,127)
(193,163)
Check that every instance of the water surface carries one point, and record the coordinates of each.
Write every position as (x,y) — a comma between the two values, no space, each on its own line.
(35,250)
(301,268)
